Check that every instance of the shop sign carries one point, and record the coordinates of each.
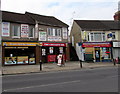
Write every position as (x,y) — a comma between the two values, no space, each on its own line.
(54,44)
(5,29)
(109,35)
(24,30)
(96,44)
(116,44)
(19,44)
(54,38)
(42,36)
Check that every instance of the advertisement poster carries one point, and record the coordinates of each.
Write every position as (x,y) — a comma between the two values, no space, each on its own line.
(43,52)
(32,60)
(24,30)
(54,38)
(65,34)
(42,36)
(10,60)
(51,50)
(61,49)
(22,60)
(51,58)
(5,29)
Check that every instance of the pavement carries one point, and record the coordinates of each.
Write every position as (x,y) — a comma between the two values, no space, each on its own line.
(48,67)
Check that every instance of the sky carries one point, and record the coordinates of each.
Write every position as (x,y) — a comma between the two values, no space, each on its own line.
(65,10)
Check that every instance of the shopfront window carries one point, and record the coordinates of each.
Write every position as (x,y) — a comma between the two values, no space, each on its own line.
(19,55)
(106,53)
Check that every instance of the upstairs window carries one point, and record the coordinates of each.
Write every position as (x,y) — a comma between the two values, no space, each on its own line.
(97,36)
(58,32)
(50,32)
(31,32)
(113,35)
(54,32)
(16,30)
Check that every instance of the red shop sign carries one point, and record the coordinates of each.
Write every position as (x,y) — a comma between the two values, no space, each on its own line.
(96,44)
(54,44)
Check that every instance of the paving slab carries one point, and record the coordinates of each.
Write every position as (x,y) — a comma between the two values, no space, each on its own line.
(47,67)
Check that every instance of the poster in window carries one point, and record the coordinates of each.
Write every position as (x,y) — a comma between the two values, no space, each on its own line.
(51,50)
(5,28)
(43,52)
(42,36)
(32,61)
(22,60)
(65,35)
(10,60)
(24,30)
(54,38)
(61,49)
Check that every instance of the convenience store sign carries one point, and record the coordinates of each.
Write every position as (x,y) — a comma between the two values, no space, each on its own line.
(96,44)
(19,44)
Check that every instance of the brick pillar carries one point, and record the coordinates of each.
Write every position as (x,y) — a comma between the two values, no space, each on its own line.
(37,51)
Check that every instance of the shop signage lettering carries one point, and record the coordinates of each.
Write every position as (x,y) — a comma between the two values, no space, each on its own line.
(24,30)
(96,45)
(5,28)
(54,44)
(116,44)
(19,44)
(54,38)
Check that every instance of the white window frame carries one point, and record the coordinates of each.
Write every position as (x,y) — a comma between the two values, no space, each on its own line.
(59,32)
(49,32)
(18,31)
(33,30)
(54,32)
(93,34)
(103,36)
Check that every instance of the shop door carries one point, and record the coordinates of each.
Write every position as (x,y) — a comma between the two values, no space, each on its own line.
(97,55)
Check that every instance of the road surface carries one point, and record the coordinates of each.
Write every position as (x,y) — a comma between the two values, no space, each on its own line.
(83,80)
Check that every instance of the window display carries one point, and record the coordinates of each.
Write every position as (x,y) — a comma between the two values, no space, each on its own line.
(19,55)
(31,60)
(10,60)
(22,59)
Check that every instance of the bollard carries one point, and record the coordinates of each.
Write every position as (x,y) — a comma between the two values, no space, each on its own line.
(80,64)
(40,65)
(114,62)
